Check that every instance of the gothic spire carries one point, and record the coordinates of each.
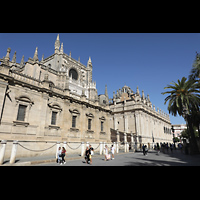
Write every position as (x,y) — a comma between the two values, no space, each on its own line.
(42,57)
(138,92)
(57,44)
(143,97)
(14,58)
(89,62)
(106,91)
(148,97)
(35,57)
(7,58)
(22,61)
(61,49)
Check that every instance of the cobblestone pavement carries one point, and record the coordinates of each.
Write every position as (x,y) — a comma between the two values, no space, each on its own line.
(138,159)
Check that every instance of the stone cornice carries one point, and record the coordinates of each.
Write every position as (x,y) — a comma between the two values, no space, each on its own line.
(35,84)
(145,110)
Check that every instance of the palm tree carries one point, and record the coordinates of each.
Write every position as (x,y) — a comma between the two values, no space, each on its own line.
(195,72)
(184,99)
(195,75)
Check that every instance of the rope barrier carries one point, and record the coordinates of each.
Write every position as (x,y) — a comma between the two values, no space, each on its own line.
(36,150)
(97,147)
(73,148)
(52,147)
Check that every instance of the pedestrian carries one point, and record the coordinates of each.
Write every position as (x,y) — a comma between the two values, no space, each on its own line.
(59,155)
(171,148)
(145,150)
(63,153)
(167,147)
(158,149)
(91,153)
(112,151)
(87,155)
(107,155)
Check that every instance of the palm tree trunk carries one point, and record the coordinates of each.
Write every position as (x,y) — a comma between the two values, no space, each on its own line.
(193,143)
(198,130)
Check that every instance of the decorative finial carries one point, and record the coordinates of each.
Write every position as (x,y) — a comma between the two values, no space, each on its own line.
(14,58)
(143,97)
(57,44)
(138,92)
(61,49)
(42,57)
(89,62)
(7,58)
(22,61)
(148,97)
(35,57)
(106,91)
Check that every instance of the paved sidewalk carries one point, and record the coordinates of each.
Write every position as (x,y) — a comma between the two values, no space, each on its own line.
(137,159)
(122,159)
(27,161)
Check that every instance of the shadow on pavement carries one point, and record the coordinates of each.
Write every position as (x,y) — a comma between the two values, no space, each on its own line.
(166,159)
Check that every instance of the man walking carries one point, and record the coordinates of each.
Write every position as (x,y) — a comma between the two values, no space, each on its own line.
(91,152)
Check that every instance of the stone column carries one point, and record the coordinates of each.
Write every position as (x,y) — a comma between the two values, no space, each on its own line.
(87,144)
(118,138)
(127,147)
(132,141)
(13,152)
(125,142)
(65,145)
(104,144)
(117,147)
(100,148)
(118,141)
(57,146)
(125,123)
(114,145)
(2,151)
(82,148)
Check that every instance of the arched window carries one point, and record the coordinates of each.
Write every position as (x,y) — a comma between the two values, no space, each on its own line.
(73,73)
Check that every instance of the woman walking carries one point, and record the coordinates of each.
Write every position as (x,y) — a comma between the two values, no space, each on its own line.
(107,155)
(63,155)
(113,151)
(87,155)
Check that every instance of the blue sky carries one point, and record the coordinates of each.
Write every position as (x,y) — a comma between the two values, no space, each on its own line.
(147,60)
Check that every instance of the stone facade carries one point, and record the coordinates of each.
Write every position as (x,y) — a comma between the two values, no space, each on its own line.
(134,114)
(53,99)
(56,99)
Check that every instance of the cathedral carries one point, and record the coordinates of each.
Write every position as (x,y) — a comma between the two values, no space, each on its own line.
(56,99)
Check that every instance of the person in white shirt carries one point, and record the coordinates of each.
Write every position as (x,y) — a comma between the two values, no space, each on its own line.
(107,155)
(59,155)
(112,151)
